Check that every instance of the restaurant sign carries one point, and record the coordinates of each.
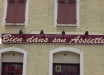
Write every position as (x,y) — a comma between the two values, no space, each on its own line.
(52,38)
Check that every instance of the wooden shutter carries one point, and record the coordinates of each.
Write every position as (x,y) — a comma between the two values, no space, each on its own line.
(11,68)
(10,17)
(61,12)
(71,12)
(20,14)
(67,12)
(18,68)
(6,69)
(16,11)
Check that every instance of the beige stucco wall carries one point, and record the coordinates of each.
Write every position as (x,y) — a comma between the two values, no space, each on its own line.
(38,57)
(41,16)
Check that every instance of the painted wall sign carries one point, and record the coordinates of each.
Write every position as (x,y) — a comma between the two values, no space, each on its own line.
(52,38)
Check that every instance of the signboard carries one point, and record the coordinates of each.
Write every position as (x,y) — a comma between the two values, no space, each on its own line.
(52,38)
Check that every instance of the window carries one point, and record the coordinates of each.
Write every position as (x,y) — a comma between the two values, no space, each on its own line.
(66,13)
(13,61)
(12,68)
(16,12)
(66,61)
(65,68)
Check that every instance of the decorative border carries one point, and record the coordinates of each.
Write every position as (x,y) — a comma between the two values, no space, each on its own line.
(16,50)
(77,15)
(26,14)
(65,49)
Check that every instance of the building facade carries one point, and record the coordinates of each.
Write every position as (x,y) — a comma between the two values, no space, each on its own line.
(54,19)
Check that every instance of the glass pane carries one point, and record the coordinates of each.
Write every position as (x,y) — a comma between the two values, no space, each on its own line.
(58,68)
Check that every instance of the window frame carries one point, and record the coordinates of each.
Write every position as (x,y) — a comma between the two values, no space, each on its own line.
(15,50)
(60,49)
(16,24)
(56,14)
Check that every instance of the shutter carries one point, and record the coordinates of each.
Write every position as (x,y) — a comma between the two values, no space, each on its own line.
(71,12)
(20,14)
(10,17)
(66,12)
(11,1)
(61,12)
